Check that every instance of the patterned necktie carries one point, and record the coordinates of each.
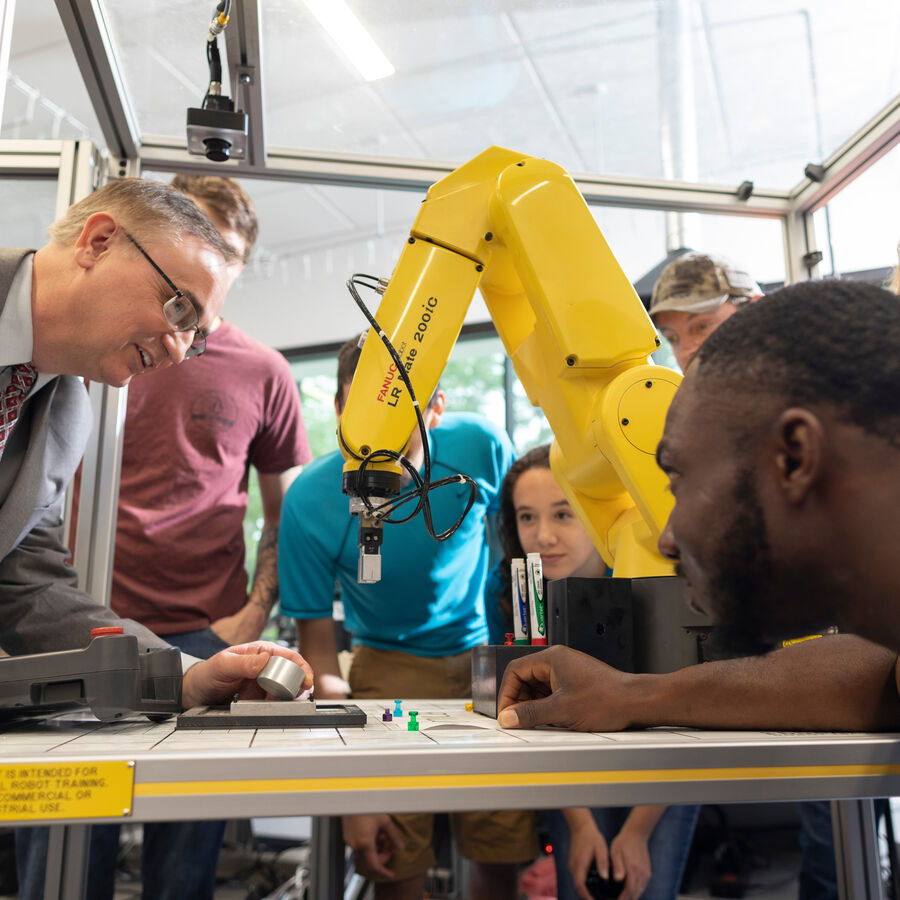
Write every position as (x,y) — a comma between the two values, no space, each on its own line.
(23,376)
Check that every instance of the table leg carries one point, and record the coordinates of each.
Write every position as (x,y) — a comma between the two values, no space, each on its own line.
(67,859)
(856,850)
(326,863)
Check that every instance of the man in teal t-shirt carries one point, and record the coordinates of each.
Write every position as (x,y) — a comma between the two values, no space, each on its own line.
(412,632)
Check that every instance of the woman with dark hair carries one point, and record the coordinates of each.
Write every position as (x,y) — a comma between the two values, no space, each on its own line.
(647,846)
(566,550)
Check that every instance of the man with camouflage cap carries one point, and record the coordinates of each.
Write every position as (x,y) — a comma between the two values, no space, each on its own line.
(694,295)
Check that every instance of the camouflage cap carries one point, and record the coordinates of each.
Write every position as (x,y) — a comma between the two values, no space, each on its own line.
(700,283)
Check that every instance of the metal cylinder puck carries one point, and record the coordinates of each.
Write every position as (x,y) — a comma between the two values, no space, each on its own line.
(281,678)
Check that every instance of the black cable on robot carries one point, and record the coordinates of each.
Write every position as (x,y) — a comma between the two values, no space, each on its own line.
(423,485)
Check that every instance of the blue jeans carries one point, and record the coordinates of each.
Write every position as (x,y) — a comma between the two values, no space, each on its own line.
(669,846)
(203,643)
(178,859)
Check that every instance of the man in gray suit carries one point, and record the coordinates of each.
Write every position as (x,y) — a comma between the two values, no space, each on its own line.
(132,278)
(127,285)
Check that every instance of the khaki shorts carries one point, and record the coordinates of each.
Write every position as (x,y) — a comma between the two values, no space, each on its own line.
(507,836)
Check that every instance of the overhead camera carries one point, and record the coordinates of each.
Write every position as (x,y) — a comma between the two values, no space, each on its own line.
(217,134)
(214,129)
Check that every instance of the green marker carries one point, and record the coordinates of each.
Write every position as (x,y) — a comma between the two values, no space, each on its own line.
(534,571)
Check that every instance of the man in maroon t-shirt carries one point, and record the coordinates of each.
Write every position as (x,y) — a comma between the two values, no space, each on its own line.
(192,433)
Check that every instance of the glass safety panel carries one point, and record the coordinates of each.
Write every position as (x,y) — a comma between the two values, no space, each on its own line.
(858,231)
(705,90)
(312,239)
(638,238)
(45,96)
(28,207)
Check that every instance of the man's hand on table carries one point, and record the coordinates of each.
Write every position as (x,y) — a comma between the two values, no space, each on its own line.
(373,839)
(233,671)
(561,686)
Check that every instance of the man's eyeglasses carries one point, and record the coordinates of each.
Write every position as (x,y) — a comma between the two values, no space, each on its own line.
(179,310)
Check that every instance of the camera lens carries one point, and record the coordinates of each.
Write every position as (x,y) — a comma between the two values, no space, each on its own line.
(217,149)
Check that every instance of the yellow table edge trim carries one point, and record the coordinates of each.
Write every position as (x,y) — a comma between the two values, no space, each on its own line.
(500,779)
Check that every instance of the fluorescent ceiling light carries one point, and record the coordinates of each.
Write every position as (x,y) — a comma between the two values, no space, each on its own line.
(353,40)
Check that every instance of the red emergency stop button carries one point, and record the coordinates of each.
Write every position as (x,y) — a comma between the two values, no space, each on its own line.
(107,629)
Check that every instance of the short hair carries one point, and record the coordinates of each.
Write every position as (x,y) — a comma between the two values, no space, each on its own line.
(228,201)
(834,343)
(147,209)
(348,359)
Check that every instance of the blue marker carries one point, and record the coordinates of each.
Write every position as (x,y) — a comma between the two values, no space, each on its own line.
(519,601)
(398,713)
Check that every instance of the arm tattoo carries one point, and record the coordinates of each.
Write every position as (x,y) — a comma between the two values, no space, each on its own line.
(264,592)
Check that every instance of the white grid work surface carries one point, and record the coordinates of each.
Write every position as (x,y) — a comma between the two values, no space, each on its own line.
(456,760)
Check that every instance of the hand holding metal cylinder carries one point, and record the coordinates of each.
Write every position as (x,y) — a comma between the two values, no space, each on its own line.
(281,678)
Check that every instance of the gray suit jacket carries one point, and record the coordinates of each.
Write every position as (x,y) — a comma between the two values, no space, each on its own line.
(40,607)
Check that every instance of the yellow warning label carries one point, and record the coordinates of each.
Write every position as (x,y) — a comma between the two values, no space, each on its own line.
(66,790)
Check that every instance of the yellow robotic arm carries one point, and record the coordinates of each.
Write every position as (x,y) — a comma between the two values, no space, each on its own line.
(578,336)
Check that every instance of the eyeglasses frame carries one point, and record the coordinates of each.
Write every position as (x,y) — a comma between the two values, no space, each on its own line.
(198,344)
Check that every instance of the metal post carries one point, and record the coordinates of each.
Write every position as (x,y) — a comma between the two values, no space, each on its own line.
(99,496)
(242,40)
(67,858)
(678,119)
(856,850)
(93,545)
(326,861)
(800,260)
(93,47)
